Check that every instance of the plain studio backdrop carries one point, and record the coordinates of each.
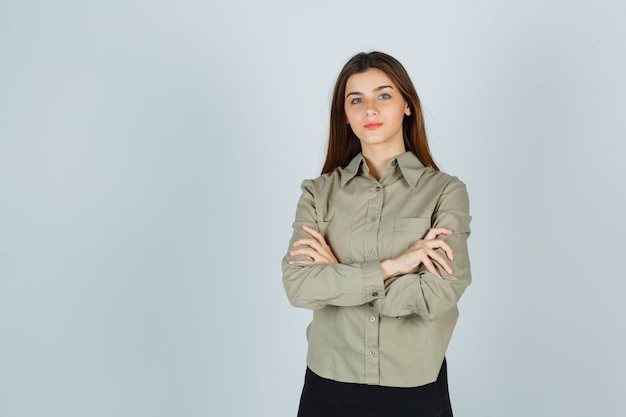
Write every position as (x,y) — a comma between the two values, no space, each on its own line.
(151,154)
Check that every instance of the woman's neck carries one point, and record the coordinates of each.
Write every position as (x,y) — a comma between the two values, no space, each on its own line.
(377,159)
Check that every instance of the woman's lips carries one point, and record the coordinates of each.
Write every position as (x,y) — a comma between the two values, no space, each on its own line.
(373,125)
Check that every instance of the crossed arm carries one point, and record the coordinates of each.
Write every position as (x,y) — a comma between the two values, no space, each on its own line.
(425,280)
(423,252)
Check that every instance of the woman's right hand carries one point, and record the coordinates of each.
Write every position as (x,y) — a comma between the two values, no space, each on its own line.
(421,252)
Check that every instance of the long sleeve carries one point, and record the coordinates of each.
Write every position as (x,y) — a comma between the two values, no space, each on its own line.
(316,286)
(422,293)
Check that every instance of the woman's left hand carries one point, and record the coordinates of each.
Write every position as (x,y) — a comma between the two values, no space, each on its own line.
(314,247)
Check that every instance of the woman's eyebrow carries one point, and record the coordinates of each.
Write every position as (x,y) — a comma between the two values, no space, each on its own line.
(356,93)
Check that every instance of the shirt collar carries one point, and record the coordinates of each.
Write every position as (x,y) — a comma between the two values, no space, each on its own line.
(410,167)
(351,169)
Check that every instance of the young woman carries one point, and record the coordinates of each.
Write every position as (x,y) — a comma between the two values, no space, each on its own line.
(379,254)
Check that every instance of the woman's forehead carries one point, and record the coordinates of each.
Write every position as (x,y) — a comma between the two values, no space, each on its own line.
(369,79)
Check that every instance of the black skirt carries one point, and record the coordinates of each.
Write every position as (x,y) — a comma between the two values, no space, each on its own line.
(323,397)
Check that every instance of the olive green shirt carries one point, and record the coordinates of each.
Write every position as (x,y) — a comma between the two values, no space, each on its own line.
(364,329)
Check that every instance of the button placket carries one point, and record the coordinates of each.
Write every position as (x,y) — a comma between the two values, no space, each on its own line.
(371,251)
(372,215)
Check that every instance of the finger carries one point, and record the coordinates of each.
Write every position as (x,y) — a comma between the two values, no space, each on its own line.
(309,242)
(436,256)
(305,241)
(316,235)
(318,243)
(306,251)
(319,238)
(319,257)
(431,267)
(447,249)
(436,231)
(438,243)
(326,257)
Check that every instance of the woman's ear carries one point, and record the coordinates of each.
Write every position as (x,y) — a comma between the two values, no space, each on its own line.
(407,110)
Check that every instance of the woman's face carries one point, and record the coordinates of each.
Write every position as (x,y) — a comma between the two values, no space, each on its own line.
(375,109)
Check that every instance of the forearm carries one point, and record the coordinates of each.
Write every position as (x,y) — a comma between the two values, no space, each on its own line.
(315,286)
(389,269)
(424,294)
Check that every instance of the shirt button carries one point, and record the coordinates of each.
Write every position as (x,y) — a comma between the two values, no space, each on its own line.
(373,219)
(377,189)
(394,162)
(371,251)
(375,294)
(372,319)
(372,353)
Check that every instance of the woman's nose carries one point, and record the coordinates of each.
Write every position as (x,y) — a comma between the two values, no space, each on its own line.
(370,109)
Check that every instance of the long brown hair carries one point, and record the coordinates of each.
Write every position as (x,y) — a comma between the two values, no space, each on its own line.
(343,145)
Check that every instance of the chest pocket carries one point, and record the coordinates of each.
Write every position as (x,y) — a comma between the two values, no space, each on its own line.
(407,231)
(336,231)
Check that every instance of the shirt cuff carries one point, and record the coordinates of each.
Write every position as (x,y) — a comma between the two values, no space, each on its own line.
(373,281)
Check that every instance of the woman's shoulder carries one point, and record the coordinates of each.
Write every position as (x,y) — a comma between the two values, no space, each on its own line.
(440,177)
(443,185)
(324,180)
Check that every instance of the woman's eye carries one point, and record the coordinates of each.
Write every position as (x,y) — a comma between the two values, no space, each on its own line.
(384,96)
(356,100)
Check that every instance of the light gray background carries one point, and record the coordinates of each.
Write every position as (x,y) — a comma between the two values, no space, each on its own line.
(151,154)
